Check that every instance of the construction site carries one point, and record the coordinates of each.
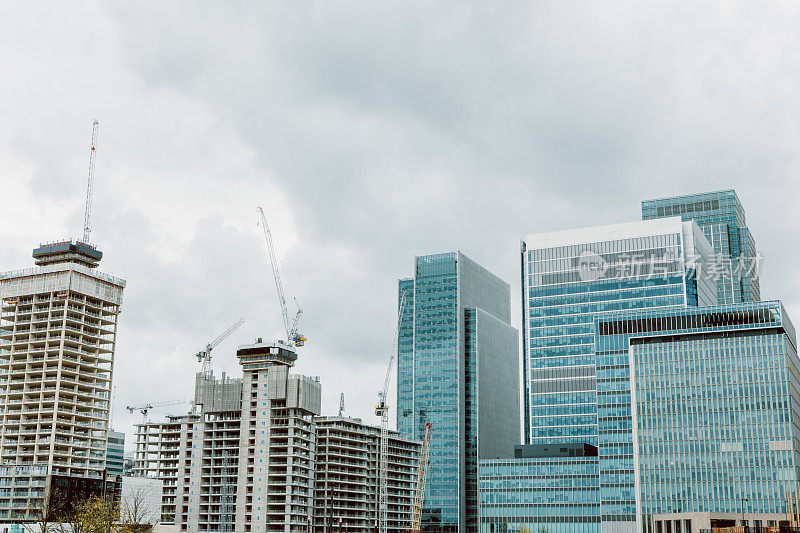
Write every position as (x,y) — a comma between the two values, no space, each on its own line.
(255,454)
(249,454)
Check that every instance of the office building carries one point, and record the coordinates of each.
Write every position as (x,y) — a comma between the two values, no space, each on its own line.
(553,488)
(721,217)
(346,483)
(115,453)
(570,276)
(458,368)
(705,438)
(59,323)
(710,439)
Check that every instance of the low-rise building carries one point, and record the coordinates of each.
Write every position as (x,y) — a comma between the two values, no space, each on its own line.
(549,487)
(115,452)
(140,501)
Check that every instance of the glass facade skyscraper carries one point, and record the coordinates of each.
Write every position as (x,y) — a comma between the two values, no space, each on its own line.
(713,421)
(648,341)
(703,430)
(721,216)
(457,368)
(570,276)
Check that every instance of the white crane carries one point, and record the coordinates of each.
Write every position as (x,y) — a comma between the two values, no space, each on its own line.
(293,337)
(204,355)
(341,404)
(382,410)
(144,409)
(87,217)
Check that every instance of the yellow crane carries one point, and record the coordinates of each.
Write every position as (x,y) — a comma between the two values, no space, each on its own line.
(422,475)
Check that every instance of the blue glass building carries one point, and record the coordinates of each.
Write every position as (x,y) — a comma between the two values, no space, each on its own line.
(556,491)
(457,368)
(570,276)
(700,429)
(712,417)
(115,451)
(721,216)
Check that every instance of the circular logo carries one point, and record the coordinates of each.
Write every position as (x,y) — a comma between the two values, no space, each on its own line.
(591,266)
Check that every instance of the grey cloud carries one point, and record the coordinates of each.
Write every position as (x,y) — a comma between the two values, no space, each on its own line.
(395,129)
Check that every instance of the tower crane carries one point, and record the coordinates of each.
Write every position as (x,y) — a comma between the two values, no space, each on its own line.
(382,410)
(144,409)
(293,337)
(422,475)
(341,404)
(87,217)
(204,355)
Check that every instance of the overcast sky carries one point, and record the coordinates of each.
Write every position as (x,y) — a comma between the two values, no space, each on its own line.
(372,132)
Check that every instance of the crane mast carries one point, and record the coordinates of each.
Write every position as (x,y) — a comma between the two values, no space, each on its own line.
(87,217)
(293,337)
(204,355)
(422,475)
(382,410)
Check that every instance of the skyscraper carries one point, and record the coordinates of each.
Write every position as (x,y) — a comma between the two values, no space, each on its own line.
(244,460)
(721,216)
(458,367)
(278,440)
(59,332)
(701,431)
(570,276)
(710,422)
(253,456)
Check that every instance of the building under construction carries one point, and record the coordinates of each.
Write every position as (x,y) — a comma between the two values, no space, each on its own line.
(59,323)
(346,485)
(256,457)
(244,461)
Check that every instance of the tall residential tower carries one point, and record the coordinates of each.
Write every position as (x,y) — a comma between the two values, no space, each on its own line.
(59,324)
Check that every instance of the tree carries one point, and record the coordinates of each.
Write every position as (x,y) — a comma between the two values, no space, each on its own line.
(135,514)
(44,521)
(95,515)
(44,514)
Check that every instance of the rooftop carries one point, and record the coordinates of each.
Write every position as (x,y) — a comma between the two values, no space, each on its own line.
(67,251)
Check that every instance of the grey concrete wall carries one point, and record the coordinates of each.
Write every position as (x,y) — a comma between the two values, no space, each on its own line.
(217,395)
(304,392)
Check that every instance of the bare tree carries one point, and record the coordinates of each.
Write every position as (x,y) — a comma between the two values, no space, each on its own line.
(135,514)
(44,516)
